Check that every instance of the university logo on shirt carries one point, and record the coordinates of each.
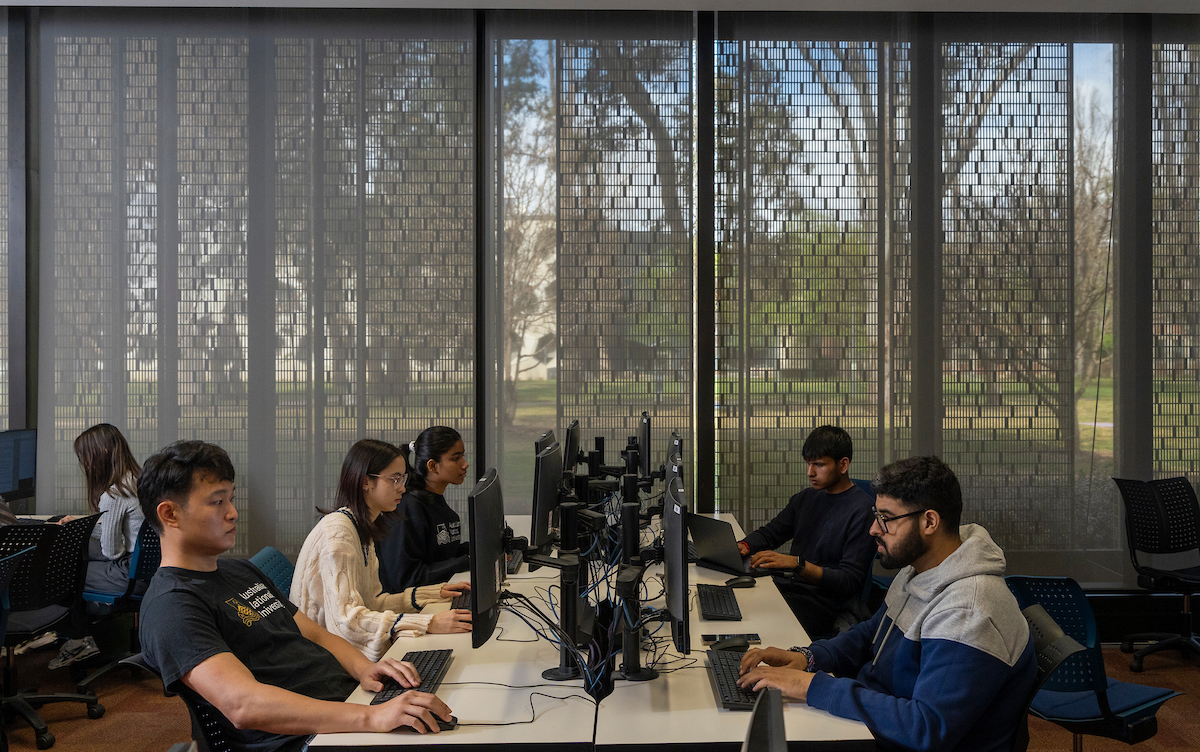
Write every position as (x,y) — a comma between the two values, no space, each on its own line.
(443,535)
(245,613)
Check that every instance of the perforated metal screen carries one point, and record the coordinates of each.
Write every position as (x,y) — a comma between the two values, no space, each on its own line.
(1176,262)
(5,301)
(804,336)
(1008,378)
(364,196)
(625,245)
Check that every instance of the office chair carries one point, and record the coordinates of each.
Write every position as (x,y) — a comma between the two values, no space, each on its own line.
(276,566)
(1162,517)
(1052,647)
(6,569)
(1079,696)
(206,732)
(45,586)
(143,563)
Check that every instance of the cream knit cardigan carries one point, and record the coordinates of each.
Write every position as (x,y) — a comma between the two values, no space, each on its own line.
(337,589)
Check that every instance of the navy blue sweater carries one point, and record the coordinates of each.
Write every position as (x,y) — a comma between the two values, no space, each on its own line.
(829,530)
(424,544)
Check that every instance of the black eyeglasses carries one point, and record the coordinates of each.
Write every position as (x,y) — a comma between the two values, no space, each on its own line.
(397,480)
(883,521)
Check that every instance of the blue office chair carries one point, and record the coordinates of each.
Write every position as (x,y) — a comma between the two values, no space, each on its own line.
(143,563)
(1079,696)
(276,566)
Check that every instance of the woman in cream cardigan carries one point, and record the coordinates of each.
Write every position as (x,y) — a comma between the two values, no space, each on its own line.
(336,583)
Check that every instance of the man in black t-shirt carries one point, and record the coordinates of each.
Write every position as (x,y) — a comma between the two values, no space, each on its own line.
(218,630)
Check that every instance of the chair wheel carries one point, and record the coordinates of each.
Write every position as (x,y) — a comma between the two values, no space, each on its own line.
(1136,665)
(1126,647)
(95,711)
(45,741)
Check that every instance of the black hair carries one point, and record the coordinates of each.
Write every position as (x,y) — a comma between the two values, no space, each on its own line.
(923,482)
(171,472)
(367,457)
(827,441)
(433,444)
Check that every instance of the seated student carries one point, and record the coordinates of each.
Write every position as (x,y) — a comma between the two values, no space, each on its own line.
(424,541)
(336,583)
(110,471)
(946,663)
(220,630)
(827,525)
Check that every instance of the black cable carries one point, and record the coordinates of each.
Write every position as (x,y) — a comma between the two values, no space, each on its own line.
(533,710)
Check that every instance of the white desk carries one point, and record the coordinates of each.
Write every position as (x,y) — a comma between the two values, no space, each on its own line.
(676,709)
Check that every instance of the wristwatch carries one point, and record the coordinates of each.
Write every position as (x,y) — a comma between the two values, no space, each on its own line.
(800,562)
(808,657)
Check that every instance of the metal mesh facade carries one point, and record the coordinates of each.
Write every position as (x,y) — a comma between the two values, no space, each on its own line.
(625,243)
(5,298)
(365,203)
(804,337)
(1008,384)
(1176,263)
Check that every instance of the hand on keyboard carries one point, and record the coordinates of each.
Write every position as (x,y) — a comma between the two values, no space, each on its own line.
(449,622)
(793,683)
(452,589)
(401,672)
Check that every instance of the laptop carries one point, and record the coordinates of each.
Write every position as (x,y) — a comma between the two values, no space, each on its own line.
(716,548)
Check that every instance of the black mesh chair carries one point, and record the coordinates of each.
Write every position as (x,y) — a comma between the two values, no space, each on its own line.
(7,563)
(1079,696)
(206,731)
(45,586)
(1162,517)
(143,563)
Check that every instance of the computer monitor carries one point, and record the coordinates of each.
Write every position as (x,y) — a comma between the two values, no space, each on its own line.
(570,446)
(644,446)
(675,446)
(485,513)
(18,464)
(543,441)
(767,732)
(547,478)
(675,567)
(674,469)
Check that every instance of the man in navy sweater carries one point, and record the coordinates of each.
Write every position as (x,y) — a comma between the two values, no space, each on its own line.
(946,663)
(828,526)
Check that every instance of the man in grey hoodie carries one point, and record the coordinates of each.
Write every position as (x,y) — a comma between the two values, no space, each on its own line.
(946,662)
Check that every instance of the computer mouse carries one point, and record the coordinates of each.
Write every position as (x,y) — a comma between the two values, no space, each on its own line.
(739,644)
(742,581)
(443,725)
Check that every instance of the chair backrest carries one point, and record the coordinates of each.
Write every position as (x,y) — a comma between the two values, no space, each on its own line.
(147,554)
(276,566)
(1065,603)
(865,485)
(1161,516)
(206,732)
(7,564)
(54,574)
(1052,647)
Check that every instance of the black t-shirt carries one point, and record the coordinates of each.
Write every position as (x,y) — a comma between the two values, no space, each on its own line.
(424,544)
(188,617)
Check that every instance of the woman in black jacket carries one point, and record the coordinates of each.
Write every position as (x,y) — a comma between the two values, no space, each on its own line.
(424,542)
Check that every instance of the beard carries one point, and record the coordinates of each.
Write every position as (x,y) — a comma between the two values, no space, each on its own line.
(905,551)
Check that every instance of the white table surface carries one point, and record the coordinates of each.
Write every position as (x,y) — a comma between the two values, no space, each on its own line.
(677,708)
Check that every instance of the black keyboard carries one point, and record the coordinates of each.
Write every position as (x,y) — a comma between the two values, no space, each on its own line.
(462,600)
(515,560)
(725,666)
(717,602)
(691,553)
(431,665)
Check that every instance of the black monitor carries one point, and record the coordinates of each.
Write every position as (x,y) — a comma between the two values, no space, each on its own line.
(644,446)
(570,446)
(675,567)
(485,513)
(674,469)
(543,441)
(547,478)
(18,464)
(767,732)
(675,446)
